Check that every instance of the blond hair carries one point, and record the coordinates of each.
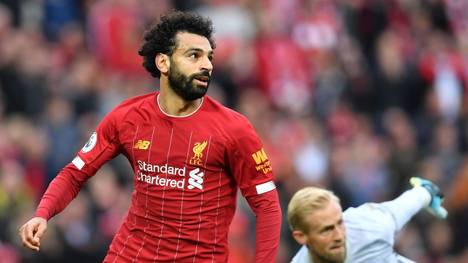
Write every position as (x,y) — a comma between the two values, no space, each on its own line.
(306,201)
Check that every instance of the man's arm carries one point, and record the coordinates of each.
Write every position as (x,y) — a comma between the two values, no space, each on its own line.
(424,194)
(252,170)
(101,147)
(383,220)
(404,207)
(61,191)
(268,213)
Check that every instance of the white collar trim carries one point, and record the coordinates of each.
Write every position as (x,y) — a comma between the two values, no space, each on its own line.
(175,116)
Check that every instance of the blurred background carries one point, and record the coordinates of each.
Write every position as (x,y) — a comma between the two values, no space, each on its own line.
(353,95)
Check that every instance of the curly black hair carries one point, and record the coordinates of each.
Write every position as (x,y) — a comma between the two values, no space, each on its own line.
(160,38)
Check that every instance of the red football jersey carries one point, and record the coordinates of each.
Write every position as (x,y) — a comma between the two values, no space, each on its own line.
(186,174)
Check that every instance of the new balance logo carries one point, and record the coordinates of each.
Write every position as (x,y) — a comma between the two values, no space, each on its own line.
(259,156)
(196,179)
(142,145)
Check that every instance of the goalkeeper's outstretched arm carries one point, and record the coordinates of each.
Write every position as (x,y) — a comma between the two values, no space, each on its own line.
(424,194)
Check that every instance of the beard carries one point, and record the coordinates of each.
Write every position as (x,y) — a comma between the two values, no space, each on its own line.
(332,258)
(327,257)
(184,85)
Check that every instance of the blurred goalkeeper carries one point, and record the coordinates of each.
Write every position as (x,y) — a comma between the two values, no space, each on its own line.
(362,234)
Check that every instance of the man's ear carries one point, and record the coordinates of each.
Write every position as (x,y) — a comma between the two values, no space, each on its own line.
(162,63)
(300,237)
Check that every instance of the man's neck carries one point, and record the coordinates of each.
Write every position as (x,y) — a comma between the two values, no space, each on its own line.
(172,104)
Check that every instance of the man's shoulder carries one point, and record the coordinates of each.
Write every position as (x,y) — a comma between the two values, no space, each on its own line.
(367,225)
(367,214)
(362,218)
(302,256)
(133,103)
(228,115)
(136,101)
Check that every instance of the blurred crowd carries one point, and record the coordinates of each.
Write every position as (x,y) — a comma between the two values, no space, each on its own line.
(353,95)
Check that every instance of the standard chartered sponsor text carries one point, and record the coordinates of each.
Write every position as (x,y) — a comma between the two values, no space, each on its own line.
(164,169)
(156,180)
(161,169)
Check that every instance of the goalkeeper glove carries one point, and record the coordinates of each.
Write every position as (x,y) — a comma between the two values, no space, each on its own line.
(435,205)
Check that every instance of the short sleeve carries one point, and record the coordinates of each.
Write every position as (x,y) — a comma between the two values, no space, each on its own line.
(249,162)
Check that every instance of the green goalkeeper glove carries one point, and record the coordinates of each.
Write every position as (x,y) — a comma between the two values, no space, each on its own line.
(435,205)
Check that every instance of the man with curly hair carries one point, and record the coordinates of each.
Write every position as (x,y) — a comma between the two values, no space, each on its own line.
(189,155)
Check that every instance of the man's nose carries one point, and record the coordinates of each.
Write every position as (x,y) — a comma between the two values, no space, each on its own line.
(206,64)
(339,233)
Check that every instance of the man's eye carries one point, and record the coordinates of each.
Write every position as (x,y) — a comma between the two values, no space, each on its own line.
(193,56)
(327,230)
